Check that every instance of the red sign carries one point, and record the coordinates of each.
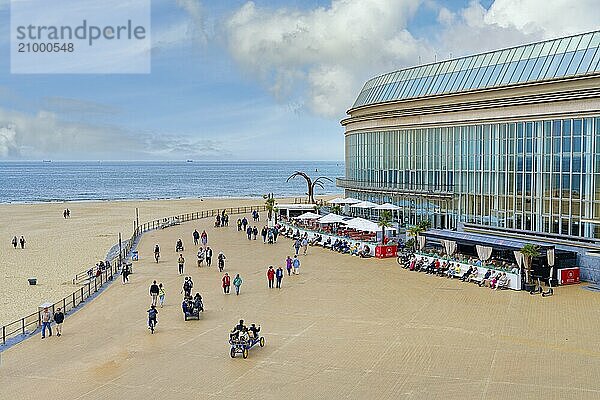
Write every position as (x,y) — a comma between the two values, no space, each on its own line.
(386,251)
(568,276)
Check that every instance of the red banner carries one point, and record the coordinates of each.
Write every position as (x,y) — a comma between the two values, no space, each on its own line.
(386,251)
(568,276)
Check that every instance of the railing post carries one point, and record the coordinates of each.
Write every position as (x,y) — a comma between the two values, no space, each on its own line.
(73,300)
(3,335)
(64,304)
(82,294)
(23,325)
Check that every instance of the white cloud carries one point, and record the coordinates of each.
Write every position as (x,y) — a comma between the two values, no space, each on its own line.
(45,135)
(325,54)
(194,10)
(551,18)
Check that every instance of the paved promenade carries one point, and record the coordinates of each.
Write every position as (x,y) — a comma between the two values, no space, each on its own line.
(345,328)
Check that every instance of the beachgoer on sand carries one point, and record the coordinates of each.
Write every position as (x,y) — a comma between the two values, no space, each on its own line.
(237,282)
(226,280)
(22,242)
(180,264)
(161,294)
(46,319)
(296,265)
(154,291)
(59,318)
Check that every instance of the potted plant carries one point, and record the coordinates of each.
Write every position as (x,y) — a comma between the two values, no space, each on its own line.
(529,251)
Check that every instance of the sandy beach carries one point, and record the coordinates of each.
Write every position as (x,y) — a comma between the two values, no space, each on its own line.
(344,328)
(57,248)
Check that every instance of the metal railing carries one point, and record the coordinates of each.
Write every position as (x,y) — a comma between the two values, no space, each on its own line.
(28,325)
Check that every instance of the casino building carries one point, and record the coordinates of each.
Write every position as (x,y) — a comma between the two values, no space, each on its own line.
(505,142)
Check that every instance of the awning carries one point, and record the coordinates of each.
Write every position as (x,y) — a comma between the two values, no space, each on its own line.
(308,215)
(479,239)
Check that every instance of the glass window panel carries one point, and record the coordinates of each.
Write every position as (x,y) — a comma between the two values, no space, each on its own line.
(479,60)
(594,64)
(503,55)
(486,76)
(468,72)
(518,71)
(450,81)
(527,50)
(456,82)
(414,87)
(537,49)
(575,62)
(564,64)
(585,41)
(537,68)
(518,53)
(435,84)
(495,74)
(509,73)
(453,65)
(562,46)
(487,59)
(573,43)
(528,69)
(595,42)
(478,77)
(444,82)
(552,66)
(391,87)
(547,48)
(469,81)
(424,85)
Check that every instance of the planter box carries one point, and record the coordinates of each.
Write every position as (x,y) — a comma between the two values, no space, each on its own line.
(382,251)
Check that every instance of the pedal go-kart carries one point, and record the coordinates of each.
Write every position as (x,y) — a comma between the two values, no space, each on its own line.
(243,345)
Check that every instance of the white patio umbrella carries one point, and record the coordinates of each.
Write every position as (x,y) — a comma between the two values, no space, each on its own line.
(351,200)
(365,225)
(337,200)
(364,204)
(387,206)
(308,215)
(332,219)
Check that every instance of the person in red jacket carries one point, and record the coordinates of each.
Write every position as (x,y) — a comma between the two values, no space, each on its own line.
(271,276)
(226,283)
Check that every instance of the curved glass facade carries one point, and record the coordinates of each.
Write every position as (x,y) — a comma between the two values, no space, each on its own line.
(539,175)
(559,58)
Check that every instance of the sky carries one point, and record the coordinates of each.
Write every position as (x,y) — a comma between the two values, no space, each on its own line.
(255,80)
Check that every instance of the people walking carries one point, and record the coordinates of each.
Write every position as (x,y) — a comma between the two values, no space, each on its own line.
(279,276)
(221,259)
(59,318)
(22,242)
(249,232)
(125,273)
(204,238)
(15,242)
(226,283)
(288,265)
(200,256)
(263,233)
(156,252)
(46,318)
(161,294)
(304,244)
(254,232)
(196,236)
(180,264)
(154,290)
(239,224)
(152,321)
(271,276)
(208,255)
(188,285)
(244,224)
(296,265)
(297,245)
(237,282)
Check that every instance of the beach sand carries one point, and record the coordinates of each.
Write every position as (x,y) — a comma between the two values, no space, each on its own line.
(59,248)
(345,328)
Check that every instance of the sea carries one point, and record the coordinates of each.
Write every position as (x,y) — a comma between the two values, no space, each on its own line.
(58,181)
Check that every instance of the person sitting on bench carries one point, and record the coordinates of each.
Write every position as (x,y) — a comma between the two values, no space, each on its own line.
(486,278)
(502,281)
(467,274)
